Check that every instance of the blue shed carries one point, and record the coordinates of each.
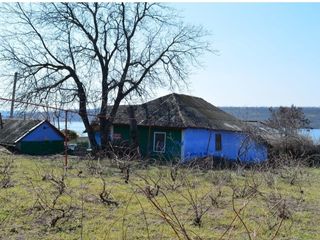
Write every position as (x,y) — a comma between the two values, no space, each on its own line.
(187,127)
(34,137)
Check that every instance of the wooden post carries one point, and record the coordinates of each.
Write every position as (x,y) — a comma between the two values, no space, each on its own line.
(65,142)
(13,93)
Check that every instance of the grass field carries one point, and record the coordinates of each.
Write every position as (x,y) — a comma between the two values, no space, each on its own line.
(95,200)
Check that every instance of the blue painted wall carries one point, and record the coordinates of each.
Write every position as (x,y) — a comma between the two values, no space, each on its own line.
(201,143)
(97,136)
(44,132)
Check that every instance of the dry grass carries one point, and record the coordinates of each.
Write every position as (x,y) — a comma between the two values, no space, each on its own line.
(97,201)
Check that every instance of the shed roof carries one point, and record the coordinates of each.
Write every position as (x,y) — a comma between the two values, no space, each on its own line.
(15,129)
(180,111)
(265,132)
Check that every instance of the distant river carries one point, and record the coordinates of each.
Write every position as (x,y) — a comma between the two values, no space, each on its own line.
(78,127)
(314,134)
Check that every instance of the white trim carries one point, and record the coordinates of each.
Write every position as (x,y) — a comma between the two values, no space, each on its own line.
(154,141)
(30,130)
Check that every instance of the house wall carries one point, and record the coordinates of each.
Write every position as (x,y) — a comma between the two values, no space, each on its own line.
(43,140)
(173,142)
(235,145)
(146,138)
(41,147)
(190,143)
(97,136)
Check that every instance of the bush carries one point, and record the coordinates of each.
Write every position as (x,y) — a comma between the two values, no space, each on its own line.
(71,135)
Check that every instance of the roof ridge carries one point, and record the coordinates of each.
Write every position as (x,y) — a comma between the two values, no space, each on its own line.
(179,109)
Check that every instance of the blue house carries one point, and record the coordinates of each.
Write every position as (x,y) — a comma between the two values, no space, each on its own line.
(34,137)
(186,127)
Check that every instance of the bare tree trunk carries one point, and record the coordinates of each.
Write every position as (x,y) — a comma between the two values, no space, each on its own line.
(107,121)
(133,131)
(84,115)
(91,136)
(105,131)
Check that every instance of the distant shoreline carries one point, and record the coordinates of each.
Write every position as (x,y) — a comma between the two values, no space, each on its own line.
(243,113)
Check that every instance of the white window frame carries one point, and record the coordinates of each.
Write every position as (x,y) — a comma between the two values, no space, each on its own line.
(154,142)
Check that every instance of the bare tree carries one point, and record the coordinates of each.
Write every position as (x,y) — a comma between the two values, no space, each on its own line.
(287,120)
(97,53)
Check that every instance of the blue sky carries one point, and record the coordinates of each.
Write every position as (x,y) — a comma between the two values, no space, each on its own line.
(269,53)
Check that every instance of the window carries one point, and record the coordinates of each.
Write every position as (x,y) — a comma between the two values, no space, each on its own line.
(159,142)
(116,136)
(218,142)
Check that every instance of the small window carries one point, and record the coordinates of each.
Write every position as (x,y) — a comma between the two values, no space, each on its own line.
(159,142)
(116,136)
(218,142)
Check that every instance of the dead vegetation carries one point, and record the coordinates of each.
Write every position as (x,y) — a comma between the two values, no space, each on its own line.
(189,203)
(6,165)
(106,196)
(49,204)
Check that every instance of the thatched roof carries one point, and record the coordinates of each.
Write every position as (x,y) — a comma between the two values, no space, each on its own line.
(4,151)
(180,111)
